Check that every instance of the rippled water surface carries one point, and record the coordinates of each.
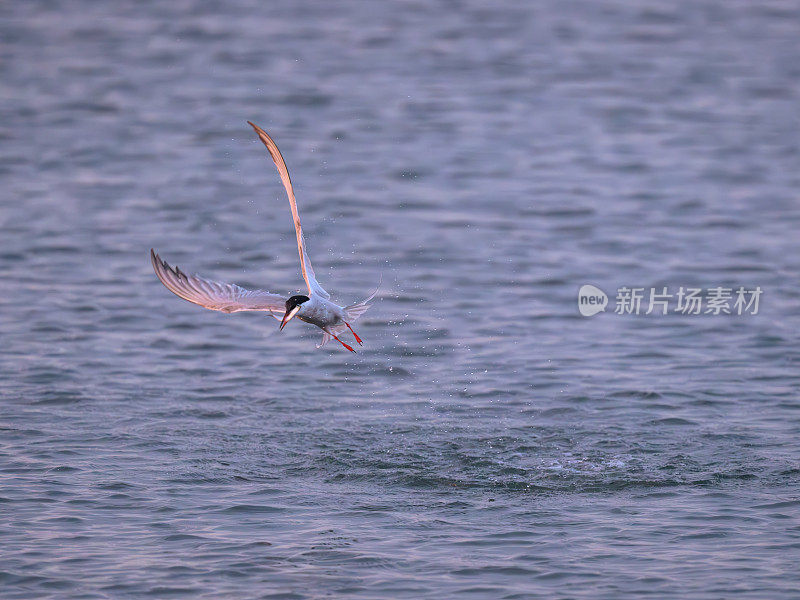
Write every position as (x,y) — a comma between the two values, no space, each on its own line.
(485,159)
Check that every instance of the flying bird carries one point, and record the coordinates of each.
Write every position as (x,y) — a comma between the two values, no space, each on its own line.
(315,308)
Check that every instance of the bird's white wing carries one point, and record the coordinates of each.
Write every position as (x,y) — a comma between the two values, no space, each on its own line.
(305,263)
(225,297)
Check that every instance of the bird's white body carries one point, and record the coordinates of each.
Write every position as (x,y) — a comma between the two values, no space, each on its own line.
(322,313)
(316,308)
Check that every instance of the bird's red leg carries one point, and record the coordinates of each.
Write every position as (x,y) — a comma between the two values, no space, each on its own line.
(342,343)
(358,339)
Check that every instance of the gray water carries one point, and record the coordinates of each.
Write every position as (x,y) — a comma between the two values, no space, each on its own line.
(485,159)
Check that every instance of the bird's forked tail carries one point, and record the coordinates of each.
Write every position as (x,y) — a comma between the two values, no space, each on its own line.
(352,312)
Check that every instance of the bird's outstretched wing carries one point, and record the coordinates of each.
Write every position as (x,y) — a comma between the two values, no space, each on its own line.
(305,263)
(225,297)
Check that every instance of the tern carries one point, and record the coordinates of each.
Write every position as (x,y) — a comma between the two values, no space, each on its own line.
(315,308)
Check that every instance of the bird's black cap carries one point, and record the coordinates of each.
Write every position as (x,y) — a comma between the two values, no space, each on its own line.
(295,301)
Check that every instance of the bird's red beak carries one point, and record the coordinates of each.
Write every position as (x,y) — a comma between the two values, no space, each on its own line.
(288,316)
